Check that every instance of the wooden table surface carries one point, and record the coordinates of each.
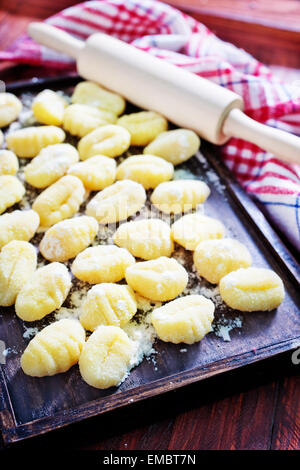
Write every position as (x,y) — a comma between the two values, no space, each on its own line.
(257,407)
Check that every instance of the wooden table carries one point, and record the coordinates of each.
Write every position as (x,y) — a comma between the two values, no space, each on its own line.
(257,407)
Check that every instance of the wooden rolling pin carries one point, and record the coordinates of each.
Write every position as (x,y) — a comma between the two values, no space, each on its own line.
(187,100)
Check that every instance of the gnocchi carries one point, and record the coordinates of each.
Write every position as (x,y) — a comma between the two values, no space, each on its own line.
(10,108)
(29,141)
(179,196)
(55,349)
(160,279)
(11,191)
(184,320)
(147,170)
(1,137)
(80,119)
(108,304)
(252,289)
(175,146)
(96,172)
(18,225)
(110,140)
(9,163)
(143,126)
(92,94)
(147,239)
(106,357)
(48,107)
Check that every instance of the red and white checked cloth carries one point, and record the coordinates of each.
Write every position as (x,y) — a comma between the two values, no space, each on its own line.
(173,36)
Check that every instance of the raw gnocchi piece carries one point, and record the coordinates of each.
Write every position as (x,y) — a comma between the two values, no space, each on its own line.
(92,94)
(179,196)
(147,170)
(29,141)
(59,201)
(10,108)
(191,229)
(184,320)
(67,238)
(48,107)
(110,140)
(252,289)
(18,225)
(9,163)
(54,349)
(175,146)
(50,164)
(17,262)
(96,172)
(146,239)
(80,119)
(103,263)
(106,357)
(117,202)
(143,126)
(11,191)
(216,258)
(160,279)
(108,304)
(45,291)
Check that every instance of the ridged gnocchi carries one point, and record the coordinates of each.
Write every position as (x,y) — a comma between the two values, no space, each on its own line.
(106,357)
(160,279)
(18,225)
(80,119)
(9,164)
(10,108)
(59,201)
(29,141)
(96,172)
(117,202)
(92,94)
(175,146)
(110,140)
(184,320)
(252,289)
(179,196)
(45,291)
(216,258)
(17,262)
(50,164)
(69,237)
(191,229)
(147,239)
(108,304)
(48,107)
(143,126)
(103,263)
(11,191)
(54,350)
(147,170)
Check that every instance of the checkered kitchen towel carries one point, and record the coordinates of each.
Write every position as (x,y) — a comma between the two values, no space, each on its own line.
(173,36)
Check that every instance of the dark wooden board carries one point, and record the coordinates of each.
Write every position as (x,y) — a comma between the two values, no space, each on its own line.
(29,406)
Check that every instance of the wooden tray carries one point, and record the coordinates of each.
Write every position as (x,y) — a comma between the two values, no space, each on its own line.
(29,407)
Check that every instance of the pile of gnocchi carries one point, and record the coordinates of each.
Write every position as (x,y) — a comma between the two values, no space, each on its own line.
(81,188)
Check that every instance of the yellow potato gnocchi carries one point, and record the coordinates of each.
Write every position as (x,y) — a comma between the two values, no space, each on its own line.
(50,164)
(179,196)
(96,172)
(29,141)
(146,239)
(252,289)
(117,202)
(48,107)
(11,191)
(108,304)
(110,140)
(92,94)
(69,237)
(216,258)
(103,263)
(160,279)
(10,108)
(191,229)
(59,201)
(147,170)
(80,119)
(143,126)
(175,146)
(184,320)
(18,225)
(54,350)
(9,163)
(17,262)
(45,291)
(106,357)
